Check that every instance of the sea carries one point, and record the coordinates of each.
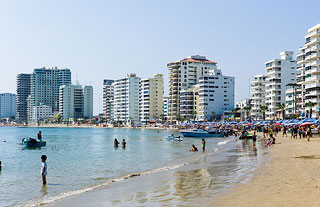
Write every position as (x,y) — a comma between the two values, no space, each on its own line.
(81,160)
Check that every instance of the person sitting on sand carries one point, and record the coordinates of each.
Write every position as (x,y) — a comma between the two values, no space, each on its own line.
(123,144)
(194,148)
(116,143)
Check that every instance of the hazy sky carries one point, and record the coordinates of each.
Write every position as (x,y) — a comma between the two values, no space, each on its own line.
(100,39)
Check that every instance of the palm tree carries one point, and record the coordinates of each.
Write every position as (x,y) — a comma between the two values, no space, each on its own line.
(234,111)
(310,105)
(282,107)
(247,109)
(263,109)
(213,114)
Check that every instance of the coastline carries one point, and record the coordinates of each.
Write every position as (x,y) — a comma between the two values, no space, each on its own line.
(290,178)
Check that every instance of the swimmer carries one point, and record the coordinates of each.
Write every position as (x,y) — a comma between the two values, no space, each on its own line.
(123,144)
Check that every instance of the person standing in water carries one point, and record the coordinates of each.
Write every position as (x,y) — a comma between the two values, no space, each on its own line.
(116,143)
(44,169)
(123,144)
(203,145)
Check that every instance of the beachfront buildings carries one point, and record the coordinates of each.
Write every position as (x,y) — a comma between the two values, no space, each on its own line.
(23,91)
(258,98)
(308,59)
(151,98)
(165,106)
(280,73)
(126,99)
(45,85)
(7,105)
(108,95)
(185,74)
(76,101)
(41,113)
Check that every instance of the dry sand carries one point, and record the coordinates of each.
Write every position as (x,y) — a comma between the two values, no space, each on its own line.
(291,178)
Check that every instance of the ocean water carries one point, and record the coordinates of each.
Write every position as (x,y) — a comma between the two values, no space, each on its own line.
(83,159)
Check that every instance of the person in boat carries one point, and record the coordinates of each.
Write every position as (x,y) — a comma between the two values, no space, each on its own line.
(116,143)
(32,140)
(203,145)
(123,144)
(194,148)
(39,136)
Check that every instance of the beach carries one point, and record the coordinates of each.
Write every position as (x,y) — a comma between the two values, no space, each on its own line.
(290,178)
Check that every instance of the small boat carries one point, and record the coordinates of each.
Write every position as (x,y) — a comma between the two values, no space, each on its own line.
(30,142)
(201,133)
(175,138)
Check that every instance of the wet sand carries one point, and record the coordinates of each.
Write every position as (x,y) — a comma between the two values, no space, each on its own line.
(291,178)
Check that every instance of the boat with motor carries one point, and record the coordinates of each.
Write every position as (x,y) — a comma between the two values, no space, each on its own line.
(202,133)
(31,142)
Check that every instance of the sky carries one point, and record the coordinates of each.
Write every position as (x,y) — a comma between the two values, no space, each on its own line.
(101,39)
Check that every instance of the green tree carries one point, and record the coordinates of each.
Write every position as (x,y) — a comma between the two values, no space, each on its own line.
(213,113)
(310,105)
(194,115)
(263,109)
(247,109)
(282,108)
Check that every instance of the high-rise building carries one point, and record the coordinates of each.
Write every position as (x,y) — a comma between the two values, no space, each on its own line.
(41,113)
(45,85)
(7,105)
(185,74)
(126,99)
(165,106)
(108,95)
(258,99)
(309,73)
(23,91)
(151,99)
(76,101)
(280,73)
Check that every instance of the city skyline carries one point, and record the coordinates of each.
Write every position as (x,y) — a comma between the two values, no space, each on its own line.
(94,39)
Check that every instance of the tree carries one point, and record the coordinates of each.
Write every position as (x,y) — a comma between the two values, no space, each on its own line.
(178,117)
(282,108)
(310,105)
(263,109)
(213,115)
(235,111)
(247,109)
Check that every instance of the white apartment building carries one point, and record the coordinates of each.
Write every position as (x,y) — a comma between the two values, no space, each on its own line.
(258,98)
(7,105)
(291,98)
(108,95)
(216,93)
(280,72)
(309,72)
(41,113)
(165,106)
(185,74)
(126,99)
(151,98)
(76,101)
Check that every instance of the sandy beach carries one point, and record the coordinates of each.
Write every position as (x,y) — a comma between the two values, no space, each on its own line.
(291,178)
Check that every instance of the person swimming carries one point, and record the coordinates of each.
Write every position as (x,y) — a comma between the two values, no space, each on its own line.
(116,143)
(123,144)
(194,148)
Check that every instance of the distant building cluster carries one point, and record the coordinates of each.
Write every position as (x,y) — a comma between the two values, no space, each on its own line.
(290,88)
(47,92)
(197,88)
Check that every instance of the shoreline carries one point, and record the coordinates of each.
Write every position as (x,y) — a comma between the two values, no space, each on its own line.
(290,178)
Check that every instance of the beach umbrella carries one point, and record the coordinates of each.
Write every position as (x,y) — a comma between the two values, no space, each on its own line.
(277,124)
(308,120)
(306,124)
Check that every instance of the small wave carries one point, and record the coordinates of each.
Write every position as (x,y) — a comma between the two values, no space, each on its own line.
(223,142)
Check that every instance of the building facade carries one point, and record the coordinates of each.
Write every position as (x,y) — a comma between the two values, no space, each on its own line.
(165,106)
(126,99)
(108,95)
(151,98)
(258,99)
(41,113)
(184,74)
(23,91)
(7,105)
(76,101)
(280,73)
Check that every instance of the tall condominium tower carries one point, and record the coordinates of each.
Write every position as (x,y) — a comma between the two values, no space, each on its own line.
(151,100)
(126,99)
(185,74)
(76,101)
(23,91)
(280,73)
(45,85)
(309,72)
(108,99)
(258,86)
(7,105)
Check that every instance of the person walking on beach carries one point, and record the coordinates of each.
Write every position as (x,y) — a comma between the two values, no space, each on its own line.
(284,131)
(203,145)
(271,132)
(123,144)
(44,169)
(309,133)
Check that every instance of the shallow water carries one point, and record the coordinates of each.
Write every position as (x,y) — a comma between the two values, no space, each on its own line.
(82,158)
